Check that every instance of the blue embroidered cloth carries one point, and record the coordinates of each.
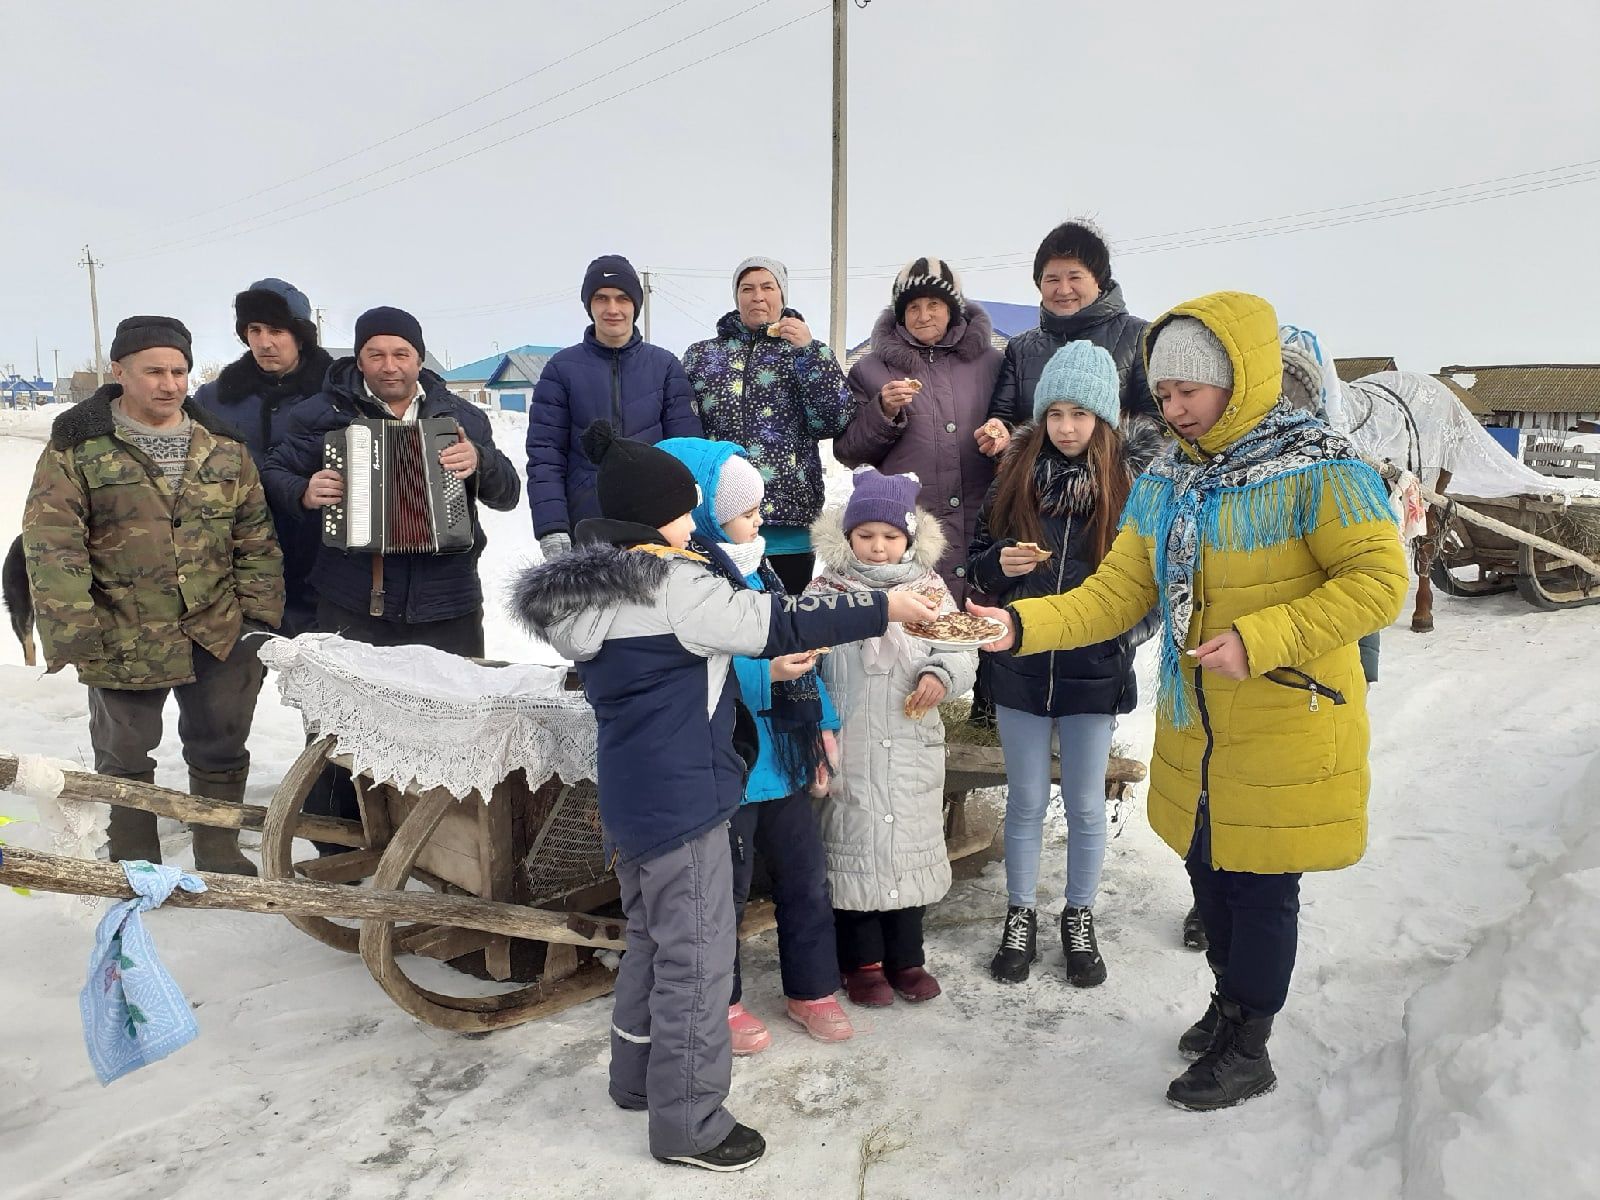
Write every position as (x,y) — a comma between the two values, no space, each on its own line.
(133,1012)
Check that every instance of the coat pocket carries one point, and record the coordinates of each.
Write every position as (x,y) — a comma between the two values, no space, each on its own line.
(1281,733)
(116,607)
(214,490)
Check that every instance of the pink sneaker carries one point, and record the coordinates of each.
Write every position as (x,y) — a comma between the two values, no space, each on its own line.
(750,1036)
(823,1019)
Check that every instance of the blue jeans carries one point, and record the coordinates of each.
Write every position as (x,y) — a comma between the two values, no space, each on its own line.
(1085,749)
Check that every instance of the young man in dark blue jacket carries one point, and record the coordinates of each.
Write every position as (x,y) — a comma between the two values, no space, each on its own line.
(612,375)
(428,599)
(653,631)
(255,395)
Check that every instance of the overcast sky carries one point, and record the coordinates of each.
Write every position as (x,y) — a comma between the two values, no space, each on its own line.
(187,150)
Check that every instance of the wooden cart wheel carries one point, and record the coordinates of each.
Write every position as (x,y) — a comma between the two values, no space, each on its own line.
(277,841)
(1547,583)
(1458,553)
(460,1014)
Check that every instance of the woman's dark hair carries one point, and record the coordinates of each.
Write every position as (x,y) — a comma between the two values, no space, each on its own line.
(1075,240)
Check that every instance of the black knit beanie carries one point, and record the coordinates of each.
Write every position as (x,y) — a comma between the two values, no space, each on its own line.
(636,482)
(141,333)
(612,270)
(928,277)
(1079,240)
(276,303)
(396,322)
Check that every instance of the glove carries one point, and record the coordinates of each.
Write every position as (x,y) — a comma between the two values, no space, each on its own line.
(553,545)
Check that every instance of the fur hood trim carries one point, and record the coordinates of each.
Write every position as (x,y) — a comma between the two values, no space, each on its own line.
(92,418)
(832,547)
(587,577)
(899,351)
(1143,441)
(242,377)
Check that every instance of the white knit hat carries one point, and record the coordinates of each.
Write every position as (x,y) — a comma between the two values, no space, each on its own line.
(739,489)
(1185,349)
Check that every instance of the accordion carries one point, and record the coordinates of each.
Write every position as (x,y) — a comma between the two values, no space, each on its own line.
(397,498)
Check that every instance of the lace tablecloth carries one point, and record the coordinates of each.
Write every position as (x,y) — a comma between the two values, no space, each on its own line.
(412,715)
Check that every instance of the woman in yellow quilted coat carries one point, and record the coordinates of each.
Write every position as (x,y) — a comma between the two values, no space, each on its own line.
(1270,549)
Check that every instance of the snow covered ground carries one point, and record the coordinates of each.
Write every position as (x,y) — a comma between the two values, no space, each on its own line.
(1442,1039)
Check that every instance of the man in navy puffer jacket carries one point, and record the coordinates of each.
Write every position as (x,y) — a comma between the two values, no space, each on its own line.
(612,375)
(255,395)
(428,599)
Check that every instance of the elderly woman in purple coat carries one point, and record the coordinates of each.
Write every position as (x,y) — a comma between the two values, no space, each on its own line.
(921,393)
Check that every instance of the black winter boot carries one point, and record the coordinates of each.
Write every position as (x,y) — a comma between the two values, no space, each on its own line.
(1085,967)
(1194,930)
(1019,945)
(1235,1067)
(130,832)
(217,850)
(1196,1040)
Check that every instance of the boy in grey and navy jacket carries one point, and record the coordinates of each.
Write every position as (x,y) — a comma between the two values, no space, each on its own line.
(653,631)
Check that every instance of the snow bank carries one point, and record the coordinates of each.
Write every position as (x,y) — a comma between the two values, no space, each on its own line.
(1503,1049)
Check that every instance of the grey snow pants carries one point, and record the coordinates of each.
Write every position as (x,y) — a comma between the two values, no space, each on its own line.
(670,1048)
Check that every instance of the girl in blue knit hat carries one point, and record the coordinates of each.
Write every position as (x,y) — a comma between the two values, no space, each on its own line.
(1049,517)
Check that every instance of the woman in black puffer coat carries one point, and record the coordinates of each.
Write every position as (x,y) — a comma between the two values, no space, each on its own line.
(1060,487)
(1078,301)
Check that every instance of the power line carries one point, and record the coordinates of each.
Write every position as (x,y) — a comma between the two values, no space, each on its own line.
(1455,196)
(698,304)
(434,120)
(242,225)
(492,307)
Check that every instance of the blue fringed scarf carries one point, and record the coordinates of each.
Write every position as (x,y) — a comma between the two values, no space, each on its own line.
(1262,491)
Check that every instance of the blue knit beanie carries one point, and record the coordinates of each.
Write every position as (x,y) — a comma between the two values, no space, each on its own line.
(1084,374)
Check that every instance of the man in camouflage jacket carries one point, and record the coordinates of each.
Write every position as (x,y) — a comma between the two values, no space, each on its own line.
(150,549)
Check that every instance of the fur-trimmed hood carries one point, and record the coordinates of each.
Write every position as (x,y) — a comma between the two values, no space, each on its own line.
(243,377)
(832,547)
(92,418)
(569,602)
(966,339)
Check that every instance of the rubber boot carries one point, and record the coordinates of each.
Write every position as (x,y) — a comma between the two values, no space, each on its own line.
(1234,1069)
(217,850)
(130,833)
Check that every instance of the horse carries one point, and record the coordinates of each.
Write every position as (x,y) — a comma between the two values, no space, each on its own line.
(1416,422)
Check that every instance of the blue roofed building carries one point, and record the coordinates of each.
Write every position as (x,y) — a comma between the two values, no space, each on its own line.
(502,380)
(16,391)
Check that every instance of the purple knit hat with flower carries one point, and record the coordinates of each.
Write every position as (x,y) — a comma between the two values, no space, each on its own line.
(891,499)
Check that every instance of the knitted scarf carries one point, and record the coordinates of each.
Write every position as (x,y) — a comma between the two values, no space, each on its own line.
(1264,490)
(879,654)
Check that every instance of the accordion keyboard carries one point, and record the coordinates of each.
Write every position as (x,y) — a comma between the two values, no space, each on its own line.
(398,498)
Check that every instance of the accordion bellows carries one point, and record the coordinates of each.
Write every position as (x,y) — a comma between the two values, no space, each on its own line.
(398,499)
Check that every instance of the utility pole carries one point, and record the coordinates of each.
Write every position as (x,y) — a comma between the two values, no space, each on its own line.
(94,313)
(319,326)
(836,307)
(37,373)
(56,350)
(644,315)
